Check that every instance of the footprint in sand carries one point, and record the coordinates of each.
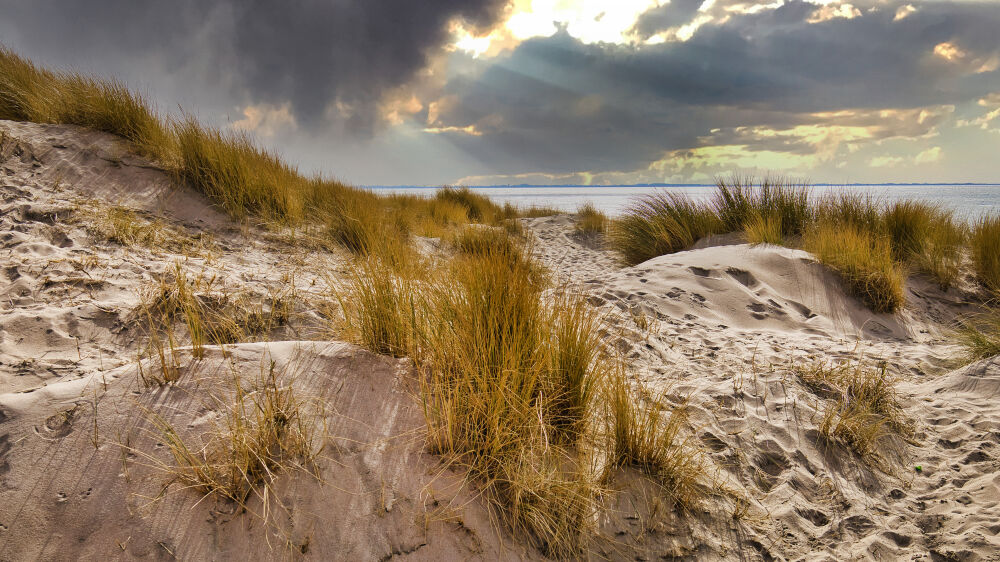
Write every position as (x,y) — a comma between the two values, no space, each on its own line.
(744,278)
(814,516)
(5,448)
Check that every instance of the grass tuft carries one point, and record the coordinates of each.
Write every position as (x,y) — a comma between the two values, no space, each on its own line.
(981,335)
(208,314)
(380,308)
(927,237)
(589,220)
(265,432)
(764,229)
(478,207)
(863,260)
(985,249)
(30,93)
(647,439)
(864,413)
(740,200)
(245,179)
(661,223)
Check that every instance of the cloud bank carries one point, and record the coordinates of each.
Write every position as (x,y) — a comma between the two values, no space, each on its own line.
(491,91)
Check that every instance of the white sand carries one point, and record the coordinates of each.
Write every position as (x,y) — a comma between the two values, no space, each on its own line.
(720,326)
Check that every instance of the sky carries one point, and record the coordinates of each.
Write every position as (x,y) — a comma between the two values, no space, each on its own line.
(583,92)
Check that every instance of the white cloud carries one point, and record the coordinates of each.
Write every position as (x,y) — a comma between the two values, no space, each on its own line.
(903,12)
(266,119)
(885,161)
(830,11)
(929,156)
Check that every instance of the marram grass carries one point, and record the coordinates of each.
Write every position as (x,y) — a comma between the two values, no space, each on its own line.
(243,179)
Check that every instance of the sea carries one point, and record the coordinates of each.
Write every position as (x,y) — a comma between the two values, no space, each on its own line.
(968,201)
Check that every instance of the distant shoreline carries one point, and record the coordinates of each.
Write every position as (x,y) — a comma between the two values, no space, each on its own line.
(535,186)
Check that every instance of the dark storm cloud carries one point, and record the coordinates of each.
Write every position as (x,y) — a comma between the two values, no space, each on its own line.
(671,14)
(310,53)
(558,105)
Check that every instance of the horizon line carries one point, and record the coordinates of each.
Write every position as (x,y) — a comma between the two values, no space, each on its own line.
(530,185)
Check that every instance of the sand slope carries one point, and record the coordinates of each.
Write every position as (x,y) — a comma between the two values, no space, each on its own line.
(375,495)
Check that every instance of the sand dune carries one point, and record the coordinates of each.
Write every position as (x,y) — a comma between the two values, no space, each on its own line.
(722,327)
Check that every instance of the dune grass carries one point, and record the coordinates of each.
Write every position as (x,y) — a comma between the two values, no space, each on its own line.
(510,374)
(661,223)
(863,413)
(508,391)
(763,229)
(926,237)
(515,375)
(126,227)
(265,430)
(229,167)
(862,211)
(872,243)
(589,220)
(478,208)
(777,201)
(31,93)
(863,260)
(380,307)
(985,245)
(648,438)
(208,313)
(980,335)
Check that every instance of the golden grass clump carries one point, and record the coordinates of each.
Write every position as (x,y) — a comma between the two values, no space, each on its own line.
(984,243)
(358,221)
(245,179)
(777,201)
(230,168)
(126,227)
(862,211)
(764,229)
(647,438)
(589,220)
(508,377)
(209,315)
(927,237)
(265,431)
(660,224)
(30,93)
(380,307)
(980,335)
(864,413)
(478,208)
(535,211)
(863,260)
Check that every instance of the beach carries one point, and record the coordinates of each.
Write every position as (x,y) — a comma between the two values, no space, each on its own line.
(725,332)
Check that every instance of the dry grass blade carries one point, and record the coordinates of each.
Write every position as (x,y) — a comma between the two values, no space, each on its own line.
(659,224)
(781,201)
(645,438)
(981,335)
(265,431)
(589,220)
(863,260)
(764,229)
(209,313)
(864,413)
(380,308)
(985,246)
